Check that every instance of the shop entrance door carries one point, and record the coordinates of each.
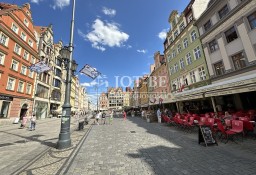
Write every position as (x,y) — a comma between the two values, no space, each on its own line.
(23,111)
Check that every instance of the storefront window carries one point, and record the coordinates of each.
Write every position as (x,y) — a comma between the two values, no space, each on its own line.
(4,109)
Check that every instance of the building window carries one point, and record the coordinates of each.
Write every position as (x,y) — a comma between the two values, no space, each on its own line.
(192,77)
(197,52)
(20,86)
(202,73)
(4,39)
(207,25)
(58,62)
(176,33)
(15,28)
(185,43)
(10,84)
(2,57)
(30,43)
(182,63)
(193,35)
(239,60)
(33,60)
(14,65)
(25,55)
(171,70)
(252,20)
(26,22)
(173,53)
(213,45)
(57,72)
(28,89)
(30,74)
(176,68)
(169,57)
(188,57)
(170,40)
(182,26)
(42,91)
(17,49)
(231,34)
(23,70)
(190,18)
(219,68)
(23,36)
(185,80)
(56,83)
(179,48)
(223,11)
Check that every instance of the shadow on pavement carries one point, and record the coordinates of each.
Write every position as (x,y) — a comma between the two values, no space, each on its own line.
(33,138)
(180,153)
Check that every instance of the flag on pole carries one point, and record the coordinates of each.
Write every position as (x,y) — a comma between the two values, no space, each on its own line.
(90,71)
(39,67)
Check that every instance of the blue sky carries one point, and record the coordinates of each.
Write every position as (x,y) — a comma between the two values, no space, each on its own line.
(118,37)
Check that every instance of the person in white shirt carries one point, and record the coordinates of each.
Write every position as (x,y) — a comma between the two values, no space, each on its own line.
(158,113)
(98,117)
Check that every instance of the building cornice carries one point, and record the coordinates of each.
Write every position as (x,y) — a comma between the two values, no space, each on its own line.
(227,17)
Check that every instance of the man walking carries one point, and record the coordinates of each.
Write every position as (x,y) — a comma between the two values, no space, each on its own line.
(158,113)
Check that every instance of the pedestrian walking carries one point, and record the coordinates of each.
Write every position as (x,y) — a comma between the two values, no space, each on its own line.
(124,115)
(24,120)
(111,117)
(33,122)
(103,118)
(158,113)
(98,117)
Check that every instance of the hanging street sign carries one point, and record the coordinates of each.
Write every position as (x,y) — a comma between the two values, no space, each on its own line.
(90,71)
(40,67)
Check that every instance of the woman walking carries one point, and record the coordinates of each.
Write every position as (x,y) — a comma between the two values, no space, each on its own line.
(124,115)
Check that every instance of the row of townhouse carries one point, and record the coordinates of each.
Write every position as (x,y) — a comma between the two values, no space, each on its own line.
(115,99)
(209,59)
(21,90)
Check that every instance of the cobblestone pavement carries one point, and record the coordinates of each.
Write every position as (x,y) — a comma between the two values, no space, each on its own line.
(33,152)
(135,147)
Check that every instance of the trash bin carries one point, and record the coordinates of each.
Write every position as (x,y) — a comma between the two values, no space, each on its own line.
(80,125)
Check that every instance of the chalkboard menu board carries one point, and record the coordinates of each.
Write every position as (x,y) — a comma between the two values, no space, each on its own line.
(205,136)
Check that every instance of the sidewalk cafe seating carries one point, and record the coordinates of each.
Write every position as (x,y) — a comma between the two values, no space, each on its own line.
(227,134)
(166,119)
(189,125)
(202,120)
(237,127)
(227,123)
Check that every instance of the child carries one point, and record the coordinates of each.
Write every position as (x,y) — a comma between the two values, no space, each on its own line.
(33,122)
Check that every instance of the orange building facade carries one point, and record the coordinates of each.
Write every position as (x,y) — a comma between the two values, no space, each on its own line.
(18,50)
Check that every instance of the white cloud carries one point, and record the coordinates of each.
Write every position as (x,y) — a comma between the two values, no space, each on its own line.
(91,84)
(162,34)
(105,34)
(60,3)
(142,51)
(35,1)
(108,11)
(129,46)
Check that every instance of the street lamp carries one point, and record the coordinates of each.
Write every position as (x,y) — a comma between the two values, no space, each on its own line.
(67,55)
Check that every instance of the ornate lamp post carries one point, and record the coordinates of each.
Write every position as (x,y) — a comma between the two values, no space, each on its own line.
(67,55)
